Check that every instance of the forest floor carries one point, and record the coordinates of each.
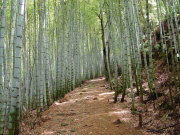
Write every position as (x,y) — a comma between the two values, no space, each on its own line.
(87,110)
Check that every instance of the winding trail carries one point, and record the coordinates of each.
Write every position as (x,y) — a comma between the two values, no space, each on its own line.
(88,110)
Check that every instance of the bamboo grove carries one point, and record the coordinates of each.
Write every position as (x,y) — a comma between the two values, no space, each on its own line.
(49,47)
(129,38)
(46,51)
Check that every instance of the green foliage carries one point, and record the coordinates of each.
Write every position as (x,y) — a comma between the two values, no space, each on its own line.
(73,130)
(61,114)
(64,124)
(141,105)
(61,132)
(145,47)
(165,117)
(157,46)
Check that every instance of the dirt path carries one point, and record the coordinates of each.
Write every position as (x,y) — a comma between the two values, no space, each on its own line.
(87,110)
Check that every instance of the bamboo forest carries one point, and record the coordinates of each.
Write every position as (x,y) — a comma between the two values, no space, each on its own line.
(89,67)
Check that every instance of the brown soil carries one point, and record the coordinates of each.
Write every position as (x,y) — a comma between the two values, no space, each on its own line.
(88,110)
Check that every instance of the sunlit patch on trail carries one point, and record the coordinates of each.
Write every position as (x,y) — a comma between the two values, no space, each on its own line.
(106,93)
(126,119)
(89,92)
(71,101)
(67,102)
(88,97)
(98,79)
(56,103)
(124,115)
(99,97)
(122,112)
(47,133)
